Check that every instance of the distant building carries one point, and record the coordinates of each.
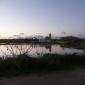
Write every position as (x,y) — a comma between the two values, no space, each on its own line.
(50,36)
(46,39)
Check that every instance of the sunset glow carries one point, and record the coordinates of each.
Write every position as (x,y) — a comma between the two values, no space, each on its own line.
(42,16)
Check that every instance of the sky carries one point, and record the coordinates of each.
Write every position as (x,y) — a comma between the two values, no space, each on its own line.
(42,17)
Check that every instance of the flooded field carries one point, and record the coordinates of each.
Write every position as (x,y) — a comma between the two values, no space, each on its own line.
(37,50)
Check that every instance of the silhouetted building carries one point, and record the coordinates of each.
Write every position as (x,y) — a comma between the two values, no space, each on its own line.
(47,39)
(50,36)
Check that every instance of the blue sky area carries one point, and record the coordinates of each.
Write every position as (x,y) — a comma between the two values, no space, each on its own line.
(42,16)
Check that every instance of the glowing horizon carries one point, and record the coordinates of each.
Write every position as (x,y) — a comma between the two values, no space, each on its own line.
(42,17)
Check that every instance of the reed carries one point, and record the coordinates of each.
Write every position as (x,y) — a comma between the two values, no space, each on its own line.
(23,63)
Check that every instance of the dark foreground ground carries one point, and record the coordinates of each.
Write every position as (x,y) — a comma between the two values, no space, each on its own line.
(50,69)
(70,77)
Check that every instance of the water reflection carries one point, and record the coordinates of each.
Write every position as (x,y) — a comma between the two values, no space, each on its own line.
(37,50)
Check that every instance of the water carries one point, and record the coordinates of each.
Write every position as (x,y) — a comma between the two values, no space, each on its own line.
(37,50)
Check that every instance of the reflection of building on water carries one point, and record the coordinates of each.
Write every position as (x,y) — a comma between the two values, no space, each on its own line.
(47,40)
(49,47)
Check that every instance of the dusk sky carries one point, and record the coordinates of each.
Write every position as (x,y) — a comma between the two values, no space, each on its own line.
(42,16)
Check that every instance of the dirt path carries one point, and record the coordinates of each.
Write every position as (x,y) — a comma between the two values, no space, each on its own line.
(74,77)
